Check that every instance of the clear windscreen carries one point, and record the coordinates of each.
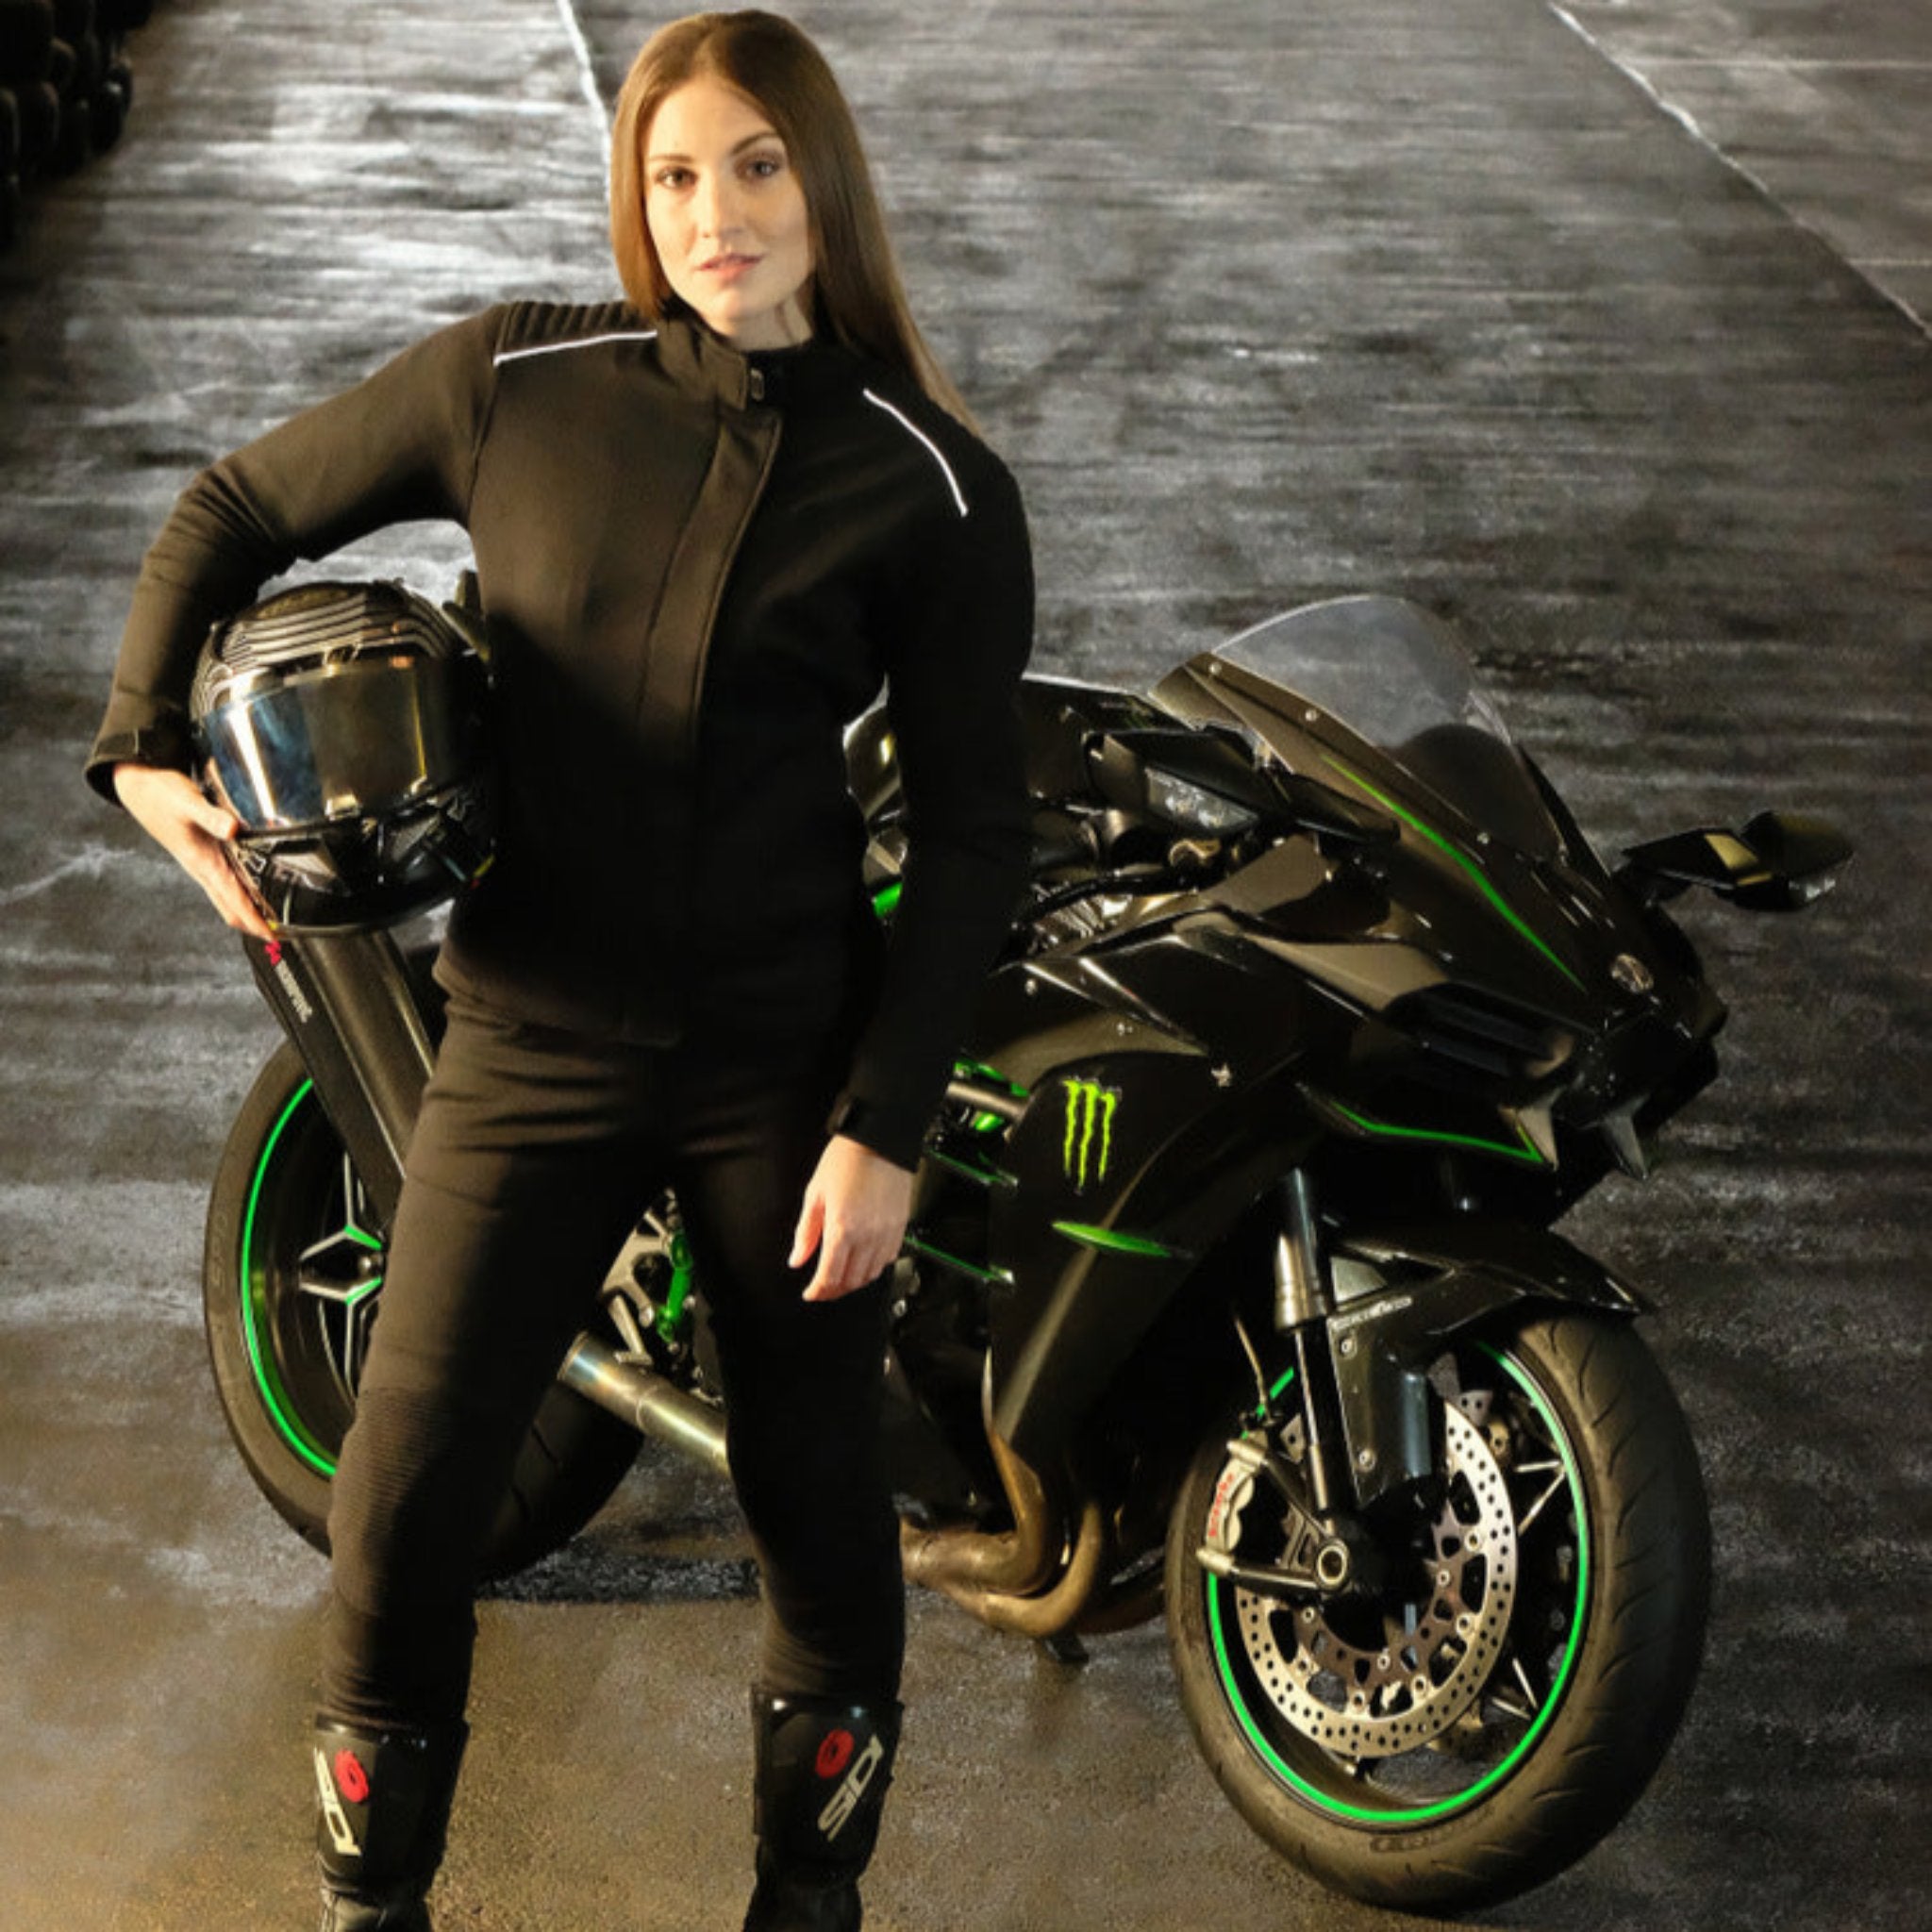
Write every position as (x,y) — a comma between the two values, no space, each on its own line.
(1399,679)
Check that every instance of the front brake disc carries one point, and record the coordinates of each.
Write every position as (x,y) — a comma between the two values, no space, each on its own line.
(1369,1693)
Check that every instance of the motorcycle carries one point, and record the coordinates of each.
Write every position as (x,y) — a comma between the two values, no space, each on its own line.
(1230,1286)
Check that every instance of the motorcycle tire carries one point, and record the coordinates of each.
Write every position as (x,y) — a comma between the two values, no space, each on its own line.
(26,39)
(290,1281)
(74,141)
(108,118)
(1541,1667)
(39,124)
(90,64)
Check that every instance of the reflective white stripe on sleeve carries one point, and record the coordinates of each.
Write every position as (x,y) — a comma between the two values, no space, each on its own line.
(581,342)
(952,481)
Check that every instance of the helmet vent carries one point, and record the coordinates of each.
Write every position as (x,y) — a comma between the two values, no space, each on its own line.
(314,623)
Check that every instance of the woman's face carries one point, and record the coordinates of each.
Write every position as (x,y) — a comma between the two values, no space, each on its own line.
(727,215)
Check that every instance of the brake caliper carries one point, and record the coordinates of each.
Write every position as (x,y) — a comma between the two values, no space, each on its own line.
(1311,1561)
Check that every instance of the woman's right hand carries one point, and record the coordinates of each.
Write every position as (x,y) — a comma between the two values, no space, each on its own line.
(170,807)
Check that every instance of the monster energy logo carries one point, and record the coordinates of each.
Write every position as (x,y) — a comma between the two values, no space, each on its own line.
(1089,1105)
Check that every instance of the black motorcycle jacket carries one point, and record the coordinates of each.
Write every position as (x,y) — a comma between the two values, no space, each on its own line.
(697,566)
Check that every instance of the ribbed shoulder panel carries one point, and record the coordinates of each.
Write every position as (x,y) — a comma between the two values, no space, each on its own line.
(531,327)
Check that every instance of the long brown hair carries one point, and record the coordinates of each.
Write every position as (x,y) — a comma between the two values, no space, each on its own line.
(857,297)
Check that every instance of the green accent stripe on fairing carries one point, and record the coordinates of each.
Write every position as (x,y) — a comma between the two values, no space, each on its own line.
(1461,859)
(988,1176)
(266,1381)
(887,898)
(1112,1238)
(1000,1276)
(1424,1814)
(978,1070)
(1528,1150)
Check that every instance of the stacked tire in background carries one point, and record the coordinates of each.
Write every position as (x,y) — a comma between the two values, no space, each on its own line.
(66,88)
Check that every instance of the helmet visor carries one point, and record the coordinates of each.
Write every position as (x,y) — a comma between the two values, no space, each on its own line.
(343,742)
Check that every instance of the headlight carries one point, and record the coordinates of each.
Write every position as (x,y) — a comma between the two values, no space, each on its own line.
(1194,805)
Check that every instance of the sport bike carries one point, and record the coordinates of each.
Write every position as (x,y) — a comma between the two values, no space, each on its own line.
(1229,1287)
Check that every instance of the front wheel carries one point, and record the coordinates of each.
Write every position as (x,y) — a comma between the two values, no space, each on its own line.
(291,1280)
(1485,1716)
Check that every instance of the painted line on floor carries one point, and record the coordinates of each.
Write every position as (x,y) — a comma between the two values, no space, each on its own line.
(1689,122)
(586,71)
(90,863)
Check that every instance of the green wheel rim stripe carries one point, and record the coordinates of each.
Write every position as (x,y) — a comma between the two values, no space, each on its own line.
(267,1382)
(1423,1815)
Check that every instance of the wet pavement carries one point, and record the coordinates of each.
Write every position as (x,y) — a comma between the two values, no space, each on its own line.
(1443,297)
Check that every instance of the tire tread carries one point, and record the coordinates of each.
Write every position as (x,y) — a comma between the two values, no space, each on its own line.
(1648,1603)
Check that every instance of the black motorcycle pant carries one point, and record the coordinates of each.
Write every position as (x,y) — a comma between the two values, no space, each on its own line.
(533,1154)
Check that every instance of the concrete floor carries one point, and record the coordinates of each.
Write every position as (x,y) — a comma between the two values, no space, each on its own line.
(1419,295)
(1822,108)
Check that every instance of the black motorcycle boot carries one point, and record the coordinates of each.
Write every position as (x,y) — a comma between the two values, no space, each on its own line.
(382,1815)
(823,1767)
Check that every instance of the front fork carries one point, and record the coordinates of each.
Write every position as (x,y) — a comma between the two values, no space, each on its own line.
(1373,1433)
(1325,1546)
(1304,1301)
(1365,1401)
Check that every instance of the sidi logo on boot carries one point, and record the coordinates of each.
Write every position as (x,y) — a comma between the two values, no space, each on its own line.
(845,1802)
(351,1779)
(334,1818)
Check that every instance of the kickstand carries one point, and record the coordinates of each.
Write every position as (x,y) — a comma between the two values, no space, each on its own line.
(1065,1648)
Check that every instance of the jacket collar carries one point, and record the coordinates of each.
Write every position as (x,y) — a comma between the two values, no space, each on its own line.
(706,366)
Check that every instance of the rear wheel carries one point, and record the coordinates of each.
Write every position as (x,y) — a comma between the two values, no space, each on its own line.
(1496,1705)
(291,1282)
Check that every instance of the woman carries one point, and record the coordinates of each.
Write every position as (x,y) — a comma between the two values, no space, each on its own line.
(707,524)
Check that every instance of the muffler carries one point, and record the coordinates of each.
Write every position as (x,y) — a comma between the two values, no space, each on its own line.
(646,1401)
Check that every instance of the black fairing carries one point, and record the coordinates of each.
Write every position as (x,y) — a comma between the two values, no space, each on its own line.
(1469,1017)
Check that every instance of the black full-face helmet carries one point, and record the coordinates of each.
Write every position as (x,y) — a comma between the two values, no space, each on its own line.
(346,725)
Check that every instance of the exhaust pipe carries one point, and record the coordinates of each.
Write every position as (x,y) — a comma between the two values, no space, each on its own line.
(1037,1577)
(1059,1609)
(1008,1563)
(646,1401)
(995,1575)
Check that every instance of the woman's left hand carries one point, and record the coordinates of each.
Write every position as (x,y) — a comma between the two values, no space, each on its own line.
(854,1212)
